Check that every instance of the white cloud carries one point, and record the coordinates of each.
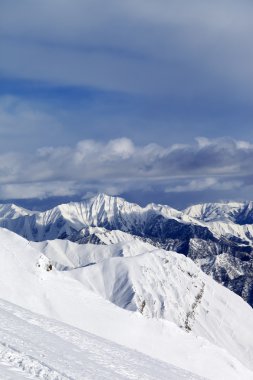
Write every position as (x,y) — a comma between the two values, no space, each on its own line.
(39,190)
(200,184)
(119,165)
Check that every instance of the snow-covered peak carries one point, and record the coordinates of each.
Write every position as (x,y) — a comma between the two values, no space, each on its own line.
(103,208)
(227,211)
(100,211)
(101,235)
(91,212)
(166,211)
(12,211)
(107,206)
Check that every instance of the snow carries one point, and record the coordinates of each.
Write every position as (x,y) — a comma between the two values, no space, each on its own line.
(11,211)
(229,229)
(74,216)
(219,345)
(90,216)
(105,236)
(65,254)
(215,211)
(162,284)
(34,347)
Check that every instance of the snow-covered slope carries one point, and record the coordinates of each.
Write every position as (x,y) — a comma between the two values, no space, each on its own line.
(35,347)
(215,346)
(238,212)
(100,235)
(65,254)
(162,284)
(227,211)
(156,283)
(11,211)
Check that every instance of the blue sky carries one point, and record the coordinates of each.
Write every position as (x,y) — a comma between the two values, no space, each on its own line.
(151,100)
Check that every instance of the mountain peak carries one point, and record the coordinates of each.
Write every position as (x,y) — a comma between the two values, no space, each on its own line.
(10,210)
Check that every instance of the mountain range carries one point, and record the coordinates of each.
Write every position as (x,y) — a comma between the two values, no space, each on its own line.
(218,237)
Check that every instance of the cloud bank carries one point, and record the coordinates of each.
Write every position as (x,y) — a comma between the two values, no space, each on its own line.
(119,166)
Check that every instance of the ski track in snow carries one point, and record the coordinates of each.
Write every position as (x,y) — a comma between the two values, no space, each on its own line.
(55,351)
(26,363)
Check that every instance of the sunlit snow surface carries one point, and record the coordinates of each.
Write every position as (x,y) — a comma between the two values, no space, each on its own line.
(34,347)
(217,346)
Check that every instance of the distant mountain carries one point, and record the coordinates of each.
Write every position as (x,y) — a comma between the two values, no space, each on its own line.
(218,237)
(239,213)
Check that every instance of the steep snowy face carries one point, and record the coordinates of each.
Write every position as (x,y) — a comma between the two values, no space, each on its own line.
(229,264)
(100,235)
(246,215)
(11,211)
(101,210)
(238,212)
(161,284)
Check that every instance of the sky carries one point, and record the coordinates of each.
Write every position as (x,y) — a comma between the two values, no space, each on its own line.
(151,100)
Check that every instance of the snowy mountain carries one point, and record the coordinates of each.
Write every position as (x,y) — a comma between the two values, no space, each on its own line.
(158,284)
(101,211)
(11,211)
(156,302)
(65,254)
(237,212)
(216,236)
